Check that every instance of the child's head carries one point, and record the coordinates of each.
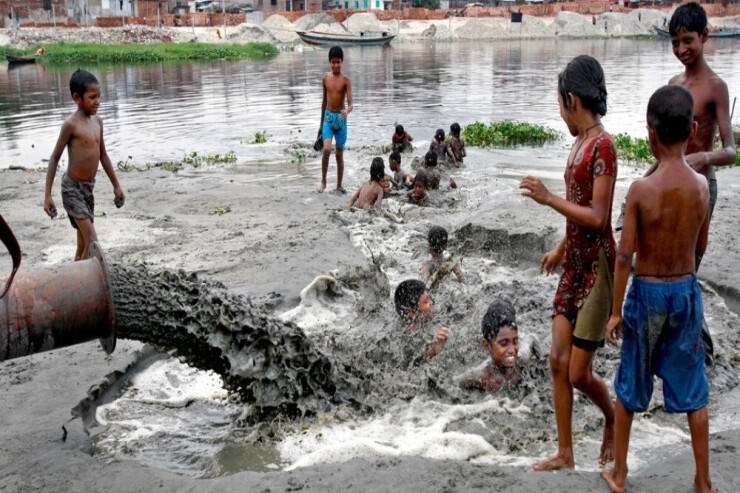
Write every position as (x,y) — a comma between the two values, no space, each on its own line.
(500,334)
(420,182)
(439,135)
(394,161)
(582,77)
(690,17)
(437,238)
(455,129)
(399,130)
(80,81)
(430,159)
(336,52)
(386,184)
(377,169)
(670,114)
(413,301)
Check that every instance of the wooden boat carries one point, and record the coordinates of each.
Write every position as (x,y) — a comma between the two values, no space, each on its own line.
(345,39)
(17,60)
(722,32)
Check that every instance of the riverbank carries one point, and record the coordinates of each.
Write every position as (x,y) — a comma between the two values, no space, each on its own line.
(280,31)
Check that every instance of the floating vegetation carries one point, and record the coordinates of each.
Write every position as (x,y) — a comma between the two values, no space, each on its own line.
(299,158)
(633,149)
(220,211)
(73,53)
(260,137)
(193,159)
(508,133)
(129,165)
(196,160)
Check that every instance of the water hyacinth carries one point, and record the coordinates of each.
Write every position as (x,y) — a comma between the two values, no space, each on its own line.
(508,133)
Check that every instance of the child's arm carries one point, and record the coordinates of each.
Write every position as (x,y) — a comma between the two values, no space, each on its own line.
(354,198)
(727,155)
(439,342)
(379,197)
(552,259)
(462,148)
(410,138)
(701,241)
(458,272)
(623,263)
(108,167)
(64,135)
(323,104)
(348,110)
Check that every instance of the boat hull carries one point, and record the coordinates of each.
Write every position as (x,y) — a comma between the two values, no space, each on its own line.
(16,60)
(326,39)
(728,32)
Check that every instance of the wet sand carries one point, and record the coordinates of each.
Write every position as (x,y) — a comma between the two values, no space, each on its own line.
(167,222)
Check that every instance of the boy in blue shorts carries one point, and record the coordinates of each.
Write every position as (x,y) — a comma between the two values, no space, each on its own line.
(666,223)
(336,87)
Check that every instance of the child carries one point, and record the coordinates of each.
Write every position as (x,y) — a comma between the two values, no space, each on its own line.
(399,179)
(336,87)
(433,177)
(666,223)
(401,140)
(456,145)
(418,194)
(386,184)
(501,342)
(438,265)
(371,194)
(439,146)
(581,304)
(82,135)
(415,306)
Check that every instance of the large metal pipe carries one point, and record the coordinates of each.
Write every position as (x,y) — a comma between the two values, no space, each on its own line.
(58,307)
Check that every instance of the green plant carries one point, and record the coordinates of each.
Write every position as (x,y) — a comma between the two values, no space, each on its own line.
(260,137)
(633,149)
(299,158)
(220,211)
(508,133)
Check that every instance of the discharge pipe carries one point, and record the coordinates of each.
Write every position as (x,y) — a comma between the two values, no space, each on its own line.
(55,307)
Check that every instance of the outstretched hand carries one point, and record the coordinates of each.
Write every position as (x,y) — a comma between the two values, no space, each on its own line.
(533,188)
(614,329)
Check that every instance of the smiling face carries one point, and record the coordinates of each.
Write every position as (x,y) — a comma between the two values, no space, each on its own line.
(90,101)
(688,46)
(504,348)
(336,65)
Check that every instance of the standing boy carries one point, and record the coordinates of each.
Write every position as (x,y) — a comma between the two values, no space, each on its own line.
(666,223)
(82,135)
(336,87)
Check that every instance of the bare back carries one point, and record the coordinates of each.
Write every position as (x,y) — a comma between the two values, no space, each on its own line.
(670,208)
(369,195)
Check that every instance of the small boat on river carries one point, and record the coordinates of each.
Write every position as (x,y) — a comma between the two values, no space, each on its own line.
(721,32)
(18,60)
(345,39)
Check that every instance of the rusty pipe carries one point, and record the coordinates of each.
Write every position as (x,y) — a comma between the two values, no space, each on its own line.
(58,307)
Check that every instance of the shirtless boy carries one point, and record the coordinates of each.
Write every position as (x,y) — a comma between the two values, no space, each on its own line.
(666,224)
(82,135)
(337,88)
(415,307)
(439,263)
(371,194)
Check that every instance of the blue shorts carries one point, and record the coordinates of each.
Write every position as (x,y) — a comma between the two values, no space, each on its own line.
(335,126)
(662,336)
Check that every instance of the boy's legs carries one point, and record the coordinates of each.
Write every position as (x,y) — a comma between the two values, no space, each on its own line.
(562,390)
(699,427)
(340,168)
(325,163)
(85,236)
(616,477)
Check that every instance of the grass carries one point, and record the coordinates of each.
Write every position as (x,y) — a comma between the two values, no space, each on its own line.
(633,149)
(73,53)
(259,138)
(193,159)
(508,133)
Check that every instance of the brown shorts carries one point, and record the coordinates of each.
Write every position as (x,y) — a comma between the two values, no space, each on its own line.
(590,326)
(78,200)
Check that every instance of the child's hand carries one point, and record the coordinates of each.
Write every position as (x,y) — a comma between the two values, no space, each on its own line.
(453,183)
(439,342)
(50,208)
(551,261)
(120,198)
(614,329)
(534,189)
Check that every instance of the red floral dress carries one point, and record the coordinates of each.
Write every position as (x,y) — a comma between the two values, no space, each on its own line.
(599,157)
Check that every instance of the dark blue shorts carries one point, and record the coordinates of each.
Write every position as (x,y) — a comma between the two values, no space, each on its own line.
(662,336)
(335,126)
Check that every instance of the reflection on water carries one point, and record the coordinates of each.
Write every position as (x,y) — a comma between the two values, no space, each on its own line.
(159,112)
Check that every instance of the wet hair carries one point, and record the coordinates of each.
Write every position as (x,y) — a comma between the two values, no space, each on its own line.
(377,169)
(407,296)
(437,238)
(439,134)
(430,159)
(399,129)
(421,177)
(584,77)
(336,52)
(455,129)
(395,156)
(690,16)
(80,81)
(500,313)
(670,113)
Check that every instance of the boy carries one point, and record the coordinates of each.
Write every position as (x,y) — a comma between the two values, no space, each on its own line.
(401,140)
(399,179)
(438,265)
(82,135)
(415,306)
(456,145)
(418,194)
(439,146)
(370,194)
(336,87)
(666,223)
(433,176)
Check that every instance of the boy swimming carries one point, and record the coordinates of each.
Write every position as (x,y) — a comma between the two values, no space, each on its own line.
(439,265)
(415,307)
(371,194)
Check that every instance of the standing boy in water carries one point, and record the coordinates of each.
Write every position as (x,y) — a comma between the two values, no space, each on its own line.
(82,135)
(666,223)
(581,304)
(336,88)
